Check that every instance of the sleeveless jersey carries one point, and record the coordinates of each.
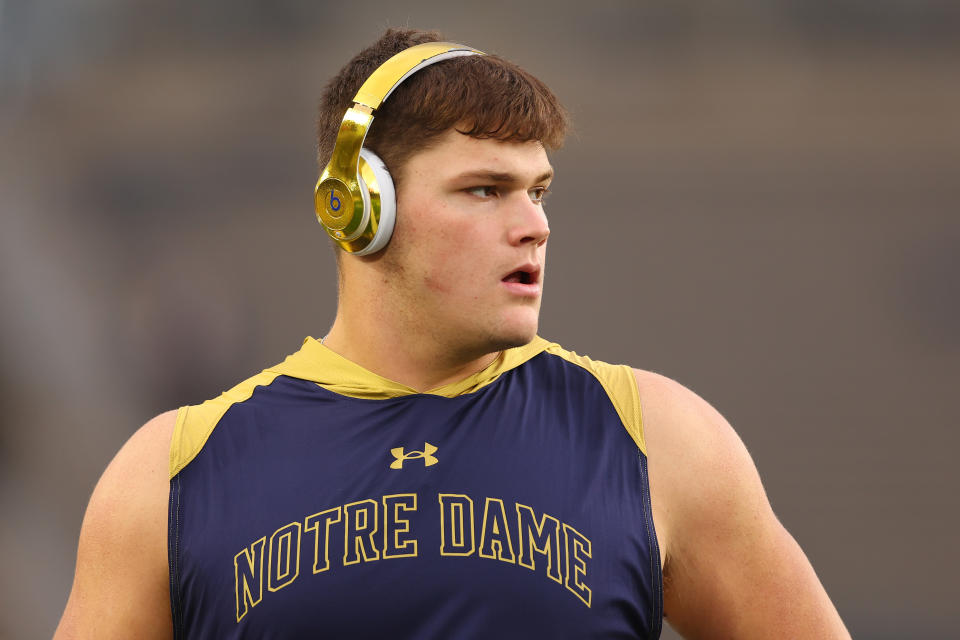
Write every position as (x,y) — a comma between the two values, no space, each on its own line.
(319,500)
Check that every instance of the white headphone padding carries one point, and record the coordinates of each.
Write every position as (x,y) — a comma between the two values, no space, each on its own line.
(388,203)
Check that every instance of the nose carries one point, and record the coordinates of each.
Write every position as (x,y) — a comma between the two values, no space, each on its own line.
(528,223)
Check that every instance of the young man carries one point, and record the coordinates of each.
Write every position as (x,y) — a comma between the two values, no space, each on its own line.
(432,468)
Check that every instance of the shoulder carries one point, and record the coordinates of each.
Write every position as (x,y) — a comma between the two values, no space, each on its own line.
(681,424)
(139,470)
(730,568)
(131,496)
(654,407)
(142,462)
(148,445)
(700,471)
(619,384)
(121,579)
(132,492)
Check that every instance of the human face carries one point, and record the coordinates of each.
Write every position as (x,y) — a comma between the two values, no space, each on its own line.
(467,255)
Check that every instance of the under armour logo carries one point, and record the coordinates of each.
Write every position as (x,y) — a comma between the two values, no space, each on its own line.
(426,454)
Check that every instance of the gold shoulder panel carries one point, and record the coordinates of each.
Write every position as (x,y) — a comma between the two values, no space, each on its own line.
(196,423)
(621,386)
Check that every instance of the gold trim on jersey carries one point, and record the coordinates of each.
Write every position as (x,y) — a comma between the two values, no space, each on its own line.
(621,386)
(317,363)
(195,423)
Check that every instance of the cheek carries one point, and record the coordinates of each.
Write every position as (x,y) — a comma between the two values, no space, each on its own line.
(430,248)
(446,269)
(442,246)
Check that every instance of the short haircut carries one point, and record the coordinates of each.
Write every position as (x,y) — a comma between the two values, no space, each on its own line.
(483,96)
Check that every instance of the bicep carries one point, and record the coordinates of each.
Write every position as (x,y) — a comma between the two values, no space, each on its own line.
(740,574)
(731,568)
(121,586)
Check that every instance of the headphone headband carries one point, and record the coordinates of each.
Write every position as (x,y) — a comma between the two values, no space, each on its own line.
(400,66)
(347,210)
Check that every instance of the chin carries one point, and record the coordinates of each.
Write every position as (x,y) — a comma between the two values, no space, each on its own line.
(509,342)
(515,334)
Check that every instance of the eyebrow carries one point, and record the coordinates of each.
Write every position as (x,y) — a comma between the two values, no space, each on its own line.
(499,176)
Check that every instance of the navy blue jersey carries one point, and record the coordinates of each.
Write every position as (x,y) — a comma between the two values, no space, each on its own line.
(319,500)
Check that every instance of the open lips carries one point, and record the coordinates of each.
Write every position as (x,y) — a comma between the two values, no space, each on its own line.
(527,274)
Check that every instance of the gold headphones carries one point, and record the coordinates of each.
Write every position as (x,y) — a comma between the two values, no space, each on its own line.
(354,197)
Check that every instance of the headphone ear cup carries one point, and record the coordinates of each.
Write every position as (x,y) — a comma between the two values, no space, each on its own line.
(375,179)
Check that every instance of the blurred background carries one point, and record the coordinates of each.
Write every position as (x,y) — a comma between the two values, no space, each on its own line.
(779,182)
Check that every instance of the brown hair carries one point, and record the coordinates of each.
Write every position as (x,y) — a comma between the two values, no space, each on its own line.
(484,96)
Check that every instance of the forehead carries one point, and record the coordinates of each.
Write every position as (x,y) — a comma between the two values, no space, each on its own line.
(455,154)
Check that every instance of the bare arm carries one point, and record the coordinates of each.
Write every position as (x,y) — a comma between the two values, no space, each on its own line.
(121,586)
(731,570)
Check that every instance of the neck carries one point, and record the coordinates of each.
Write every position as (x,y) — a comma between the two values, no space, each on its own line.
(400,348)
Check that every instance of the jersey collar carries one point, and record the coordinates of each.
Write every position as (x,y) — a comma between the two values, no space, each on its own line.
(317,363)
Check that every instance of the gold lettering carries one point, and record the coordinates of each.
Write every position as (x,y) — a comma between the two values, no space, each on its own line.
(456,523)
(394,526)
(319,524)
(248,577)
(578,548)
(542,536)
(360,529)
(284,556)
(495,540)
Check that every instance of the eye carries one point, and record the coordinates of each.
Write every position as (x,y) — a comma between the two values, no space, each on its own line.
(485,191)
(537,194)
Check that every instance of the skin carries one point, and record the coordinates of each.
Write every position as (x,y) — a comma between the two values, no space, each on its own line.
(469,213)
(432,309)
(121,586)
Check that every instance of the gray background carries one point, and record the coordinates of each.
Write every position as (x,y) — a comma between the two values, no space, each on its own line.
(759,199)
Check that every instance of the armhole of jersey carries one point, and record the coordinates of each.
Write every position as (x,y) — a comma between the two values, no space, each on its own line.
(195,423)
(621,386)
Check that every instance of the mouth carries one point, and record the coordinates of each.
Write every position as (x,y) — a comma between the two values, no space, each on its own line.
(525,280)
